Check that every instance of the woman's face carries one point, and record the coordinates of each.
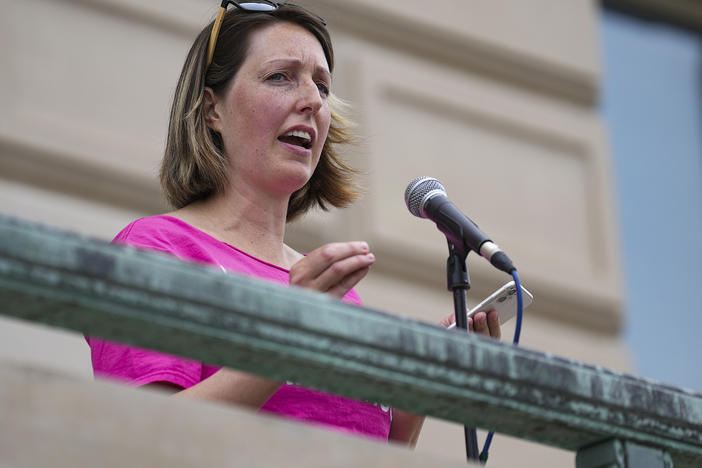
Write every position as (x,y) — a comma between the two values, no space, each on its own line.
(274,116)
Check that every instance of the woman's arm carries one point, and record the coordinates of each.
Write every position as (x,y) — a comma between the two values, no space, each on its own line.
(227,386)
(333,269)
(232,386)
(405,427)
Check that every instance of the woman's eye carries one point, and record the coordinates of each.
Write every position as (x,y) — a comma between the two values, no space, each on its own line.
(323,89)
(276,77)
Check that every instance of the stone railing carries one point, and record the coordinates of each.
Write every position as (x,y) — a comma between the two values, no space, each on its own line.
(155,301)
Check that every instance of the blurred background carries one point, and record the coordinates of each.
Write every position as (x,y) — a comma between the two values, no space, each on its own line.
(571,132)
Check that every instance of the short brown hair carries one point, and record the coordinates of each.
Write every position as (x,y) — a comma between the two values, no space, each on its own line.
(194,165)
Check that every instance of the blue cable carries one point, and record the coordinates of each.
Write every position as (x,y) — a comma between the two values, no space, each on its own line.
(517,331)
(520,307)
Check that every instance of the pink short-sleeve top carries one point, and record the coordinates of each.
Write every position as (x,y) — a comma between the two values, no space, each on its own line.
(136,366)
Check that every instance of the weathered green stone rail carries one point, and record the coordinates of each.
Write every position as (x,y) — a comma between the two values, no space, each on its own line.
(155,301)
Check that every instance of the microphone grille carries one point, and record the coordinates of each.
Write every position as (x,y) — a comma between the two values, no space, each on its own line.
(416,192)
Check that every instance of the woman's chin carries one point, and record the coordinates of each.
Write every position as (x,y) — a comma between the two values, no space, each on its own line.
(293,182)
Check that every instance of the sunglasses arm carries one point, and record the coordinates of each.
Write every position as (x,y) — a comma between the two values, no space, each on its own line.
(215,32)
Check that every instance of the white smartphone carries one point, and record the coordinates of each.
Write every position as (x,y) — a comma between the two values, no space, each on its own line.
(504,301)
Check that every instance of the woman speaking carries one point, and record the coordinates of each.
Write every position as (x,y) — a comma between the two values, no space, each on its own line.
(252,144)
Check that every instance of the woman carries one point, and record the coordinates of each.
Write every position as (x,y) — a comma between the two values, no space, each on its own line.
(251,145)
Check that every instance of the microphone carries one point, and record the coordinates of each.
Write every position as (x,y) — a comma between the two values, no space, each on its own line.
(425,197)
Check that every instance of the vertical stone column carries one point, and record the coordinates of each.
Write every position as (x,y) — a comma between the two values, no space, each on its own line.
(621,454)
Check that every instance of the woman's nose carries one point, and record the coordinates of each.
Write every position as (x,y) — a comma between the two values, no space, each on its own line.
(310,100)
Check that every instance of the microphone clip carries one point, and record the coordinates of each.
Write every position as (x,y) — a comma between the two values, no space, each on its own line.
(457,276)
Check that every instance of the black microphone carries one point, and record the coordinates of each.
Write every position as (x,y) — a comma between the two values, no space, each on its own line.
(425,197)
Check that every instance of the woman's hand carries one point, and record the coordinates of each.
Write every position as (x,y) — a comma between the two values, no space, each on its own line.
(487,324)
(333,268)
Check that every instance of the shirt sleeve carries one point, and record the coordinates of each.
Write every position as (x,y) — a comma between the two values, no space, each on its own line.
(137,366)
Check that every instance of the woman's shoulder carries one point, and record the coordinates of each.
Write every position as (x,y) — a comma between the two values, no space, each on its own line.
(149,228)
(160,232)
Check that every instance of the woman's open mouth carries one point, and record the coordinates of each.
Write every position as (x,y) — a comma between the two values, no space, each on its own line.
(299,138)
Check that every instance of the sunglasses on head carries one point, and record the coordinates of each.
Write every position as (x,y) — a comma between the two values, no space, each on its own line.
(262,6)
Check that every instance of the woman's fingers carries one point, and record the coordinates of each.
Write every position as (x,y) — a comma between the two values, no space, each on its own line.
(333,268)
(493,321)
(317,261)
(448,320)
(480,324)
(348,282)
(486,324)
(347,271)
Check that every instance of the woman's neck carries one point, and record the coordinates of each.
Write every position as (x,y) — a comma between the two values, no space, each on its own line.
(255,225)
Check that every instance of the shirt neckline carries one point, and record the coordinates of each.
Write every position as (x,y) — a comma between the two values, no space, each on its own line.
(201,232)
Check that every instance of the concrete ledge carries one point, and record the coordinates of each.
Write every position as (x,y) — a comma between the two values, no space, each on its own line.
(51,420)
(157,302)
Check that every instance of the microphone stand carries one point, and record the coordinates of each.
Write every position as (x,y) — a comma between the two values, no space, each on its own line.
(458,281)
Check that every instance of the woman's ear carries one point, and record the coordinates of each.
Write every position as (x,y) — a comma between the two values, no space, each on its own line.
(212,117)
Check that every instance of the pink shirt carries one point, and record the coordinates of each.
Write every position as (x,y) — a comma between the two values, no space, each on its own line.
(136,366)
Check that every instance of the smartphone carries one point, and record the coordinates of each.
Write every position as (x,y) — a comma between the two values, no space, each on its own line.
(504,301)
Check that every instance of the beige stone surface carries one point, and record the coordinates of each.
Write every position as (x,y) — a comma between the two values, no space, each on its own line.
(51,420)
(551,30)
